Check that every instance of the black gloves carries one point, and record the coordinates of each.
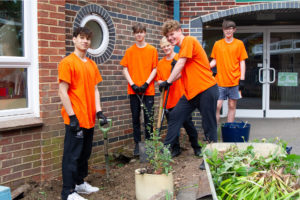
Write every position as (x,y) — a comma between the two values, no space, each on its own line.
(74,123)
(135,88)
(144,87)
(165,85)
(214,70)
(173,63)
(242,84)
(101,118)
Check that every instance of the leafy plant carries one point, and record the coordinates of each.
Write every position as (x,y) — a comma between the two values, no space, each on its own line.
(241,174)
(158,154)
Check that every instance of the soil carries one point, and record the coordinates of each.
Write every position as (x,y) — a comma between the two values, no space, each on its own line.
(121,183)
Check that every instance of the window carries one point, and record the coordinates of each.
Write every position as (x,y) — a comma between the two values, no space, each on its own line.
(18,59)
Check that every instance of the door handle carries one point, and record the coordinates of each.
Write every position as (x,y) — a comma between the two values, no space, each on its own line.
(259,75)
(274,75)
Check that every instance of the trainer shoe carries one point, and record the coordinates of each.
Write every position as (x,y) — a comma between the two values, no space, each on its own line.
(136,151)
(85,188)
(75,196)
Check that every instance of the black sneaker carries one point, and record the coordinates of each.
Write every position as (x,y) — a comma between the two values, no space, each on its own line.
(136,151)
(197,152)
(202,166)
(175,152)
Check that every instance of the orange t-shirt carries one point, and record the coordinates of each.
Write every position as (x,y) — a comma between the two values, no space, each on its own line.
(196,75)
(228,57)
(140,62)
(176,89)
(82,78)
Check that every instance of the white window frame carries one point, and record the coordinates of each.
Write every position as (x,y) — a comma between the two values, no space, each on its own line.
(29,60)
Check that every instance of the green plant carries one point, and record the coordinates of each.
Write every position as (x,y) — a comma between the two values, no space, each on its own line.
(158,154)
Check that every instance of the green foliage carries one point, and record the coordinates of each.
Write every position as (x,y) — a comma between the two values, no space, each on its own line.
(158,154)
(241,174)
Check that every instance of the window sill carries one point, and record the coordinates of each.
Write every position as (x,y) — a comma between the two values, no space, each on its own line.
(20,123)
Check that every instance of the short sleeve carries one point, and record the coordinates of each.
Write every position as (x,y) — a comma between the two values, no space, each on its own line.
(155,59)
(98,77)
(124,61)
(64,72)
(213,52)
(186,50)
(243,54)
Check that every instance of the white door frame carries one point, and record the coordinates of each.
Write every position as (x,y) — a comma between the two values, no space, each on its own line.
(265,111)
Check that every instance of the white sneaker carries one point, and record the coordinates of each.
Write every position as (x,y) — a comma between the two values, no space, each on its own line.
(75,196)
(85,188)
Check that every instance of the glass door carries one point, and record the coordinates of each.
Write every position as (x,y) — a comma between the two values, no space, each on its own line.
(252,104)
(284,67)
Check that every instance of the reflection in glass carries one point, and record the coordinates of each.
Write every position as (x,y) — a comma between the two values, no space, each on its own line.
(285,59)
(97,34)
(11,28)
(13,88)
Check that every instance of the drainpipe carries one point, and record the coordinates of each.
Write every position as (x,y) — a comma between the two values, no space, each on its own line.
(176,16)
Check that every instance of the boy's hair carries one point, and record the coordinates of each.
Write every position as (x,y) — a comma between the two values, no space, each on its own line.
(138,28)
(82,31)
(170,25)
(164,42)
(228,24)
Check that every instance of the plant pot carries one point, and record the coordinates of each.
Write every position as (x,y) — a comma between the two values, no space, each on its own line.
(149,185)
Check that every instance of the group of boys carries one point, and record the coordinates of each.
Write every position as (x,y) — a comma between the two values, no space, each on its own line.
(191,85)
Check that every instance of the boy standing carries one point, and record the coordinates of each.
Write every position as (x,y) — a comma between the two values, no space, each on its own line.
(78,91)
(139,68)
(176,91)
(229,56)
(200,87)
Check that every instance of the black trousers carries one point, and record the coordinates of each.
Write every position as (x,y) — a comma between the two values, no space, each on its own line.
(135,106)
(191,131)
(206,103)
(77,151)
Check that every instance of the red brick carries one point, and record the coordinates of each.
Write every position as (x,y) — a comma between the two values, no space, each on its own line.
(5,156)
(55,58)
(22,153)
(43,14)
(31,144)
(4,171)
(5,141)
(43,43)
(47,36)
(43,6)
(55,15)
(21,167)
(31,172)
(11,177)
(14,147)
(48,51)
(22,138)
(57,44)
(48,79)
(11,162)
(48,21)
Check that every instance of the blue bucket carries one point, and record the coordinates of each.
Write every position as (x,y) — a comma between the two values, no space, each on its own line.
(235,131)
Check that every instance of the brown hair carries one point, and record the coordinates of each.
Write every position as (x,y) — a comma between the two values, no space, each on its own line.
(82,31)
(228,24)
(138,28)
(170,25)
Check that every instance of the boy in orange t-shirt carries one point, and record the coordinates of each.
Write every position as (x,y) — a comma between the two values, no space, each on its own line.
(229,56)
(176,91)
(78,91)
(139,68)
(200,88)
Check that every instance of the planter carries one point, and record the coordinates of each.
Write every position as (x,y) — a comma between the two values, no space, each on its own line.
(262,149)
(149,185)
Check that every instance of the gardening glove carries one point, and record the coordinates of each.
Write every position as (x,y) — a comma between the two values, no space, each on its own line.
(135,88)
(74,123)
(173,63)
(214,70)
(165,85)
(144,87)
(242,85)
(101,118)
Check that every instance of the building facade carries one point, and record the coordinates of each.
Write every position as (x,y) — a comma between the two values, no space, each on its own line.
(36,35)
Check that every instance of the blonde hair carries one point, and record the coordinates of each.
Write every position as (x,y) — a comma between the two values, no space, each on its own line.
(164,42)
(169,26)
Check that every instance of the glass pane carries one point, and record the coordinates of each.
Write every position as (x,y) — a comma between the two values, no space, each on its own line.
(11,28)
(285,59)
(97,34)
(252,94)
(13,88)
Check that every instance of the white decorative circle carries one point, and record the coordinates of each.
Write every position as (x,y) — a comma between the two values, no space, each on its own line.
(100,44)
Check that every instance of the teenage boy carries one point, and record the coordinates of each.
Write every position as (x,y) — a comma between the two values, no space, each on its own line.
(139,68)
(200,88)
(78,91)
(176,91)
(229,56)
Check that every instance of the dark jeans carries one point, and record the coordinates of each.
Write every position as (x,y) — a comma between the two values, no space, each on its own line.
(206,103)
(191,131)
(77,151)
(135,106)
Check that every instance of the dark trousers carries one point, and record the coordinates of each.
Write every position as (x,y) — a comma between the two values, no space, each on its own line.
(191,131)
(206,103)
(135,106)
(77,151)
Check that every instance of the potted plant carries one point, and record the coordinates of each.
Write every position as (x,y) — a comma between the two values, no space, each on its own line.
(157,179)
